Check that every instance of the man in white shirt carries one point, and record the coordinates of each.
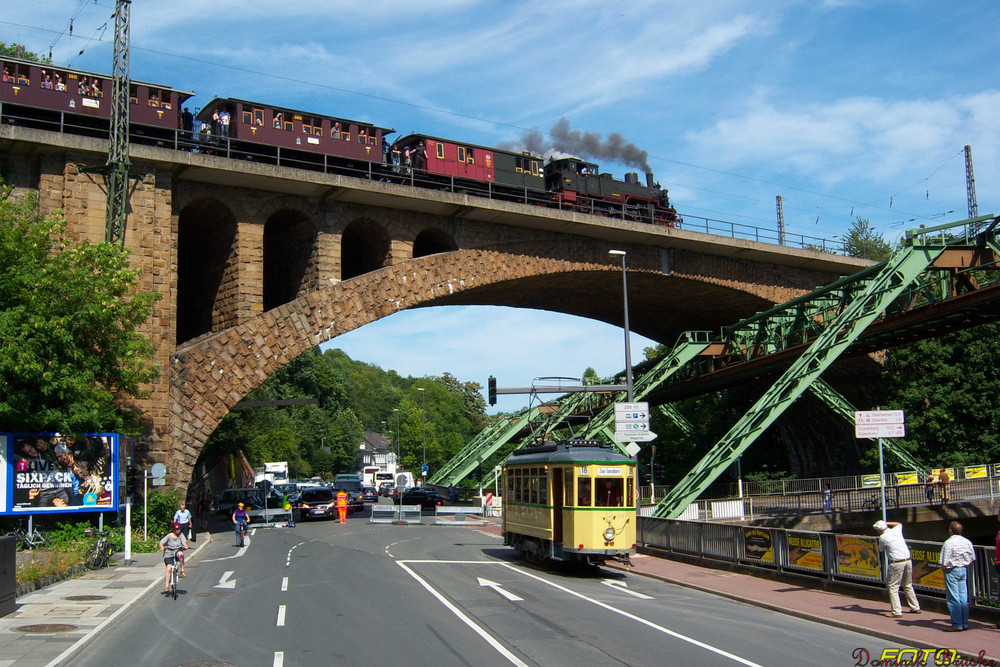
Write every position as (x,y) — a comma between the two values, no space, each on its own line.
(956,556)
(890,540)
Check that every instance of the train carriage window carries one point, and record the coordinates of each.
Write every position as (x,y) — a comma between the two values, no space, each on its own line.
(335,131)
(258,117)
(568,487)
(583,492)
(609,492)
(247,117)
(470,156)
(440,150)
(534,167)
(461,153)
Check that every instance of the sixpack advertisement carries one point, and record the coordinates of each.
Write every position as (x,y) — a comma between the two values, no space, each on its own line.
(51,473)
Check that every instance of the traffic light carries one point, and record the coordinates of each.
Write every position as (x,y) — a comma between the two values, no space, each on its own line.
(492,390)
(131,480)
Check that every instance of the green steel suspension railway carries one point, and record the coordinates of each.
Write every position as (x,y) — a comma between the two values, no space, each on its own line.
(941,279)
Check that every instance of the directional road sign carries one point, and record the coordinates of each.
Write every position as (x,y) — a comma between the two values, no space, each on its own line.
(879,424)
(632,422)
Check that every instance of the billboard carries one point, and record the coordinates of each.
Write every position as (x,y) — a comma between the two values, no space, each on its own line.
(43,473)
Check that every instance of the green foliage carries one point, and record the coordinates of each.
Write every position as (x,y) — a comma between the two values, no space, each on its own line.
(949,388)
(69,351)
(67,536)
(15,50)
(863,241)
(160,508)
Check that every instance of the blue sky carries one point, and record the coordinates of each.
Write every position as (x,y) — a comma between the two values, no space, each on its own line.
(843,108)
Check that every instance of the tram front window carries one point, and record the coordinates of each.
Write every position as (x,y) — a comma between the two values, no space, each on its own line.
(609,492)
(583,492)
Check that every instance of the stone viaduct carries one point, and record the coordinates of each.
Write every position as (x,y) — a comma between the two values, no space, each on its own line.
(257,264)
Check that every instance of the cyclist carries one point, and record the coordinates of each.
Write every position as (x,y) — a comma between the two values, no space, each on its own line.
(241,519)
(173,545)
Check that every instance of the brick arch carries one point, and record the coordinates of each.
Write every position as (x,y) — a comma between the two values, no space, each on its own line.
(212,374)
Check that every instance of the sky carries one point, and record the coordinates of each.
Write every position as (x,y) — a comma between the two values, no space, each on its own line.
(844,108)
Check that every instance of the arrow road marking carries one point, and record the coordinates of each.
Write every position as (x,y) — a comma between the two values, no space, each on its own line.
(496,587)
(224,581)
(624,588)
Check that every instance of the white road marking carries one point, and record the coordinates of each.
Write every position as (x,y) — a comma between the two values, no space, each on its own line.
(677,635)
(500,648)
(281,615)
(239,553)
(279,658)
(621,585)
(284,584)
(499,589)
(224,581)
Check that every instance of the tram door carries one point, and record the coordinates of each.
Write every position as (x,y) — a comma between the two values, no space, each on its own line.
(557,505)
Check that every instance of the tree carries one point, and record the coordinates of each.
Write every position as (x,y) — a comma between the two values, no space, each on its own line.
(14,50)
(863,241)
(69,349)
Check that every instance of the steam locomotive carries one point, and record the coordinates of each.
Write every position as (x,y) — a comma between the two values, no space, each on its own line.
(74,101)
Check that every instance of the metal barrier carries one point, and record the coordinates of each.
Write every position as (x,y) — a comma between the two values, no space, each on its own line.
(831,556)
(458,515)
(395,513)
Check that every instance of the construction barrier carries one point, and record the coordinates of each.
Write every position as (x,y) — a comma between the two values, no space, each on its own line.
(382,513)
(458,515)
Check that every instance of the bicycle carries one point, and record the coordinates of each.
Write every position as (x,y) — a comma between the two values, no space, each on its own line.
(174,575)
(26,540)
(242,532)
(100,554)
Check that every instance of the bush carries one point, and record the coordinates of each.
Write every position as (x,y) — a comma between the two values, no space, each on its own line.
(160,508)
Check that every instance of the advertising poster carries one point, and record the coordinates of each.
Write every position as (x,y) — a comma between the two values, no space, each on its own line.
(906,478)
(869,481)
(805,551)
(859,556)
(5,500)
(55,473)
(975,472)
(757,545)
(926,571)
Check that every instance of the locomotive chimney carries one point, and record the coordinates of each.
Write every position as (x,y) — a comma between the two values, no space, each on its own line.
(649,179)
(632,177)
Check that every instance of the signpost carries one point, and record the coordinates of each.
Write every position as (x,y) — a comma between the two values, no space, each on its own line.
(632,422)
(880,424)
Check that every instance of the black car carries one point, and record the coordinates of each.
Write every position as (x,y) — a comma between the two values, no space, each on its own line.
(427,498)
(369,494)
(317,502)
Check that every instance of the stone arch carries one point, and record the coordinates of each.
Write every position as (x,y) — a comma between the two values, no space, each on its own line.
(364,247)
(206,270)
(212,374)
(289,262)
(432,241)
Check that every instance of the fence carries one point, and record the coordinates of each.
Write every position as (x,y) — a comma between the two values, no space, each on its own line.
(831,556)
(445,515)
(382,513)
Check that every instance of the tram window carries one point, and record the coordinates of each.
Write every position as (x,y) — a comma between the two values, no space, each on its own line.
(518,487)
(543,487)
(568,487)
(583,492)
(533,486)
(609,492)
(630,492)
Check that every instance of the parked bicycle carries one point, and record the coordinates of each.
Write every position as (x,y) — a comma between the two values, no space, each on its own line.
(27,540)
(100,554)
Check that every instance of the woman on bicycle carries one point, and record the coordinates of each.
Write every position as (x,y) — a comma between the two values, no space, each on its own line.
(172,545)
(241,519)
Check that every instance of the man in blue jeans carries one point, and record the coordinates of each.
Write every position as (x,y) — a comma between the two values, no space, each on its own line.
(956,556)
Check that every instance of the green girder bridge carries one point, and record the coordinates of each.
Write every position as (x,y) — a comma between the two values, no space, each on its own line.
(941,279)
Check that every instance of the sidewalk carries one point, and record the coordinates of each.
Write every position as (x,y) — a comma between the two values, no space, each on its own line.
(52,624)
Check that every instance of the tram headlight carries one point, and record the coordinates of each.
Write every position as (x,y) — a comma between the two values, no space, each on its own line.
(609,533)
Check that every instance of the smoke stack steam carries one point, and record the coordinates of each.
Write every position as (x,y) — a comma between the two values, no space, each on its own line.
(562,138)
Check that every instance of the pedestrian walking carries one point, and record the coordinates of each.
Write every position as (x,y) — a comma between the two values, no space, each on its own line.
(956,556)
(891,541)
(827,499)
(183,518)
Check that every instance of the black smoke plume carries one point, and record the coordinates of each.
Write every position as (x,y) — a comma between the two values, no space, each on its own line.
(563,139)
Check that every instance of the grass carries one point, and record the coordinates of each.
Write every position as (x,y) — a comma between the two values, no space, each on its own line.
(65,555)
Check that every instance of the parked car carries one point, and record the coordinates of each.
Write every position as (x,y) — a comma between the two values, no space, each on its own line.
(317,502)
(426,497)
(369,494)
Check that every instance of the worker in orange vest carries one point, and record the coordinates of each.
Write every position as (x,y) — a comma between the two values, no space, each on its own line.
(342,505)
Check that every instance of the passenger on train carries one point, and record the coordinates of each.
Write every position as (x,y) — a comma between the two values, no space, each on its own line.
(46,81)
(83,87)
(60,85)
(95,89)
(7,78)
(335,132)
(154,100)
(278,120)
(224,123)
(362,136)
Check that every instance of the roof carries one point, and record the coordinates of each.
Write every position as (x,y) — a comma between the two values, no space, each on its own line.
(569,451)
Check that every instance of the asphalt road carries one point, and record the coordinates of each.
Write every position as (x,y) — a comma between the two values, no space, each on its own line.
(364,594)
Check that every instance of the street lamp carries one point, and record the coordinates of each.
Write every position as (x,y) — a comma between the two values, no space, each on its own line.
(423,427)
(399,453)
(628,348)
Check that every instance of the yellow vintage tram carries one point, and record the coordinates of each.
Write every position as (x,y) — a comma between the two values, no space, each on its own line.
(570,500)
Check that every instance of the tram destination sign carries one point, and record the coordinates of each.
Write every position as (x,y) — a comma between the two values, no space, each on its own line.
(879,424)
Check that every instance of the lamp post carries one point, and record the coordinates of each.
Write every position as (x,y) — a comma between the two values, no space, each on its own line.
(628,348)
(423,427)
(399,453)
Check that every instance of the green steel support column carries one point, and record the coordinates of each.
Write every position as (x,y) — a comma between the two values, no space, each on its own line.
(466,462)
(860,308)
(692,344)
(840,405)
